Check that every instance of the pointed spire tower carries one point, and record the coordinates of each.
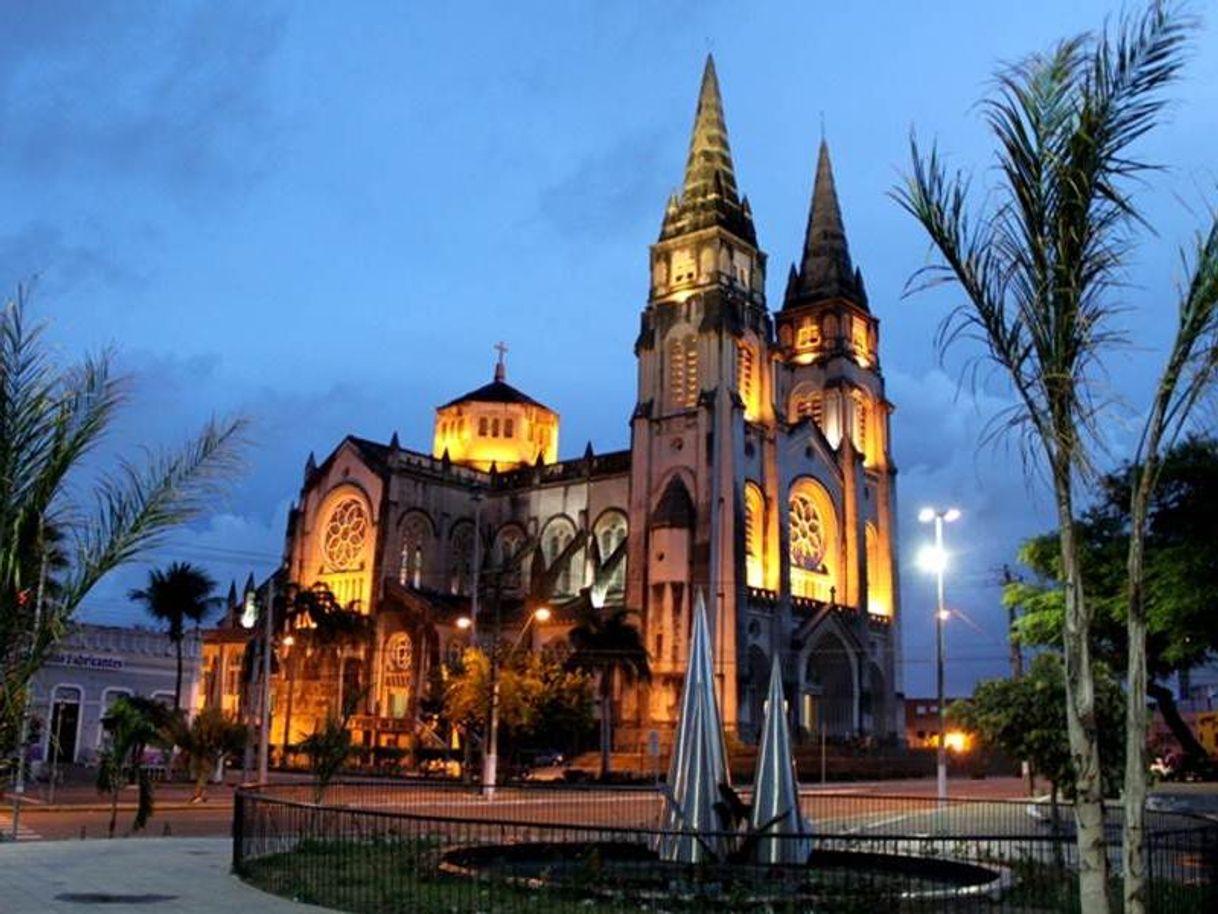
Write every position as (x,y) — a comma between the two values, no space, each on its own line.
(825,272)
(709,196)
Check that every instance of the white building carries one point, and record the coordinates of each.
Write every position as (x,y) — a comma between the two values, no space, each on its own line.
(88,670)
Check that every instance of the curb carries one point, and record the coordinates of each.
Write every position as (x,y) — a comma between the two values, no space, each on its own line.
(175,806)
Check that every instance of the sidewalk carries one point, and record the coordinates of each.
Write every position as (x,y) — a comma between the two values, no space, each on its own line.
(127,876)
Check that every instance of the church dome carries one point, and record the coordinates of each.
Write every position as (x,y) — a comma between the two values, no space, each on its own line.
(496,425)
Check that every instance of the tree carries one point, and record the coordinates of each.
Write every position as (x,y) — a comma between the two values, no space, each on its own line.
(131,725)
(1181,574)
(179,594)
(329,746)
(542,703)
(606,644)
(1039,264)
(52,416)
(206,742)
(1025,717)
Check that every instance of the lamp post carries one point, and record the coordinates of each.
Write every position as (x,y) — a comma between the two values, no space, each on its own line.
(490,761)
(934,559)
(268,641)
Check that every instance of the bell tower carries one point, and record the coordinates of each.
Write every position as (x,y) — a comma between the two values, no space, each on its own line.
(703,377)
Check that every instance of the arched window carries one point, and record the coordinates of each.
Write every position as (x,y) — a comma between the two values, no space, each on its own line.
(812,536)
(683,372)
(610,533)
(509,558)
(754,535)
(555,538)
(461,558)
(808,404)
(861,417)
(746,379)
(879,582)
(416,539)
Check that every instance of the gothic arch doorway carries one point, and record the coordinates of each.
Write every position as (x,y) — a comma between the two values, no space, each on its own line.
(830,695)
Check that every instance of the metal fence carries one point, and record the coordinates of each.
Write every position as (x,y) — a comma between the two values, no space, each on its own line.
(377,846)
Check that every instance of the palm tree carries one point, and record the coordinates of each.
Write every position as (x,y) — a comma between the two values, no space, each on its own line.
(605,643)
(131,725)
(1039,263)
(51,416)
(179,594)
(331,627)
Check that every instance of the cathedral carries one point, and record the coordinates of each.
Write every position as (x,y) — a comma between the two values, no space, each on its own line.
(759,474)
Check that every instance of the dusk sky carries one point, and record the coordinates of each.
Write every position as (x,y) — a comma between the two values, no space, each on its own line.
(324,215)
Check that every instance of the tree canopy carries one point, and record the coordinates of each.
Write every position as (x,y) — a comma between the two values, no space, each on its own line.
(1025,717)
(1181,574)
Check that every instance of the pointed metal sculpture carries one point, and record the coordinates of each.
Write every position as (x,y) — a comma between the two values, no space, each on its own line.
(693,818)
(783,835)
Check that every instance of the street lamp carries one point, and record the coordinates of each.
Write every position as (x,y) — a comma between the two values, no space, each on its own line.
(933,559)
(490,760)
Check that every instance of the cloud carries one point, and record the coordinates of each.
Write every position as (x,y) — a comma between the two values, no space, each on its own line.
(104,92)
(937,433)
(609,191)
(40,254)
(170,398)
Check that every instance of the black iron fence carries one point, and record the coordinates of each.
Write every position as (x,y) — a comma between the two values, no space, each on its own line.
(382,846)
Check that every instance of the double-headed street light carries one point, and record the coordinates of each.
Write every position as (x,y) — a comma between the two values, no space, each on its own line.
(933,558)
(490,760)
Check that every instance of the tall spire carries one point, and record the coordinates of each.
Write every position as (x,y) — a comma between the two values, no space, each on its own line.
(826,271)
(709,169)
(709,195)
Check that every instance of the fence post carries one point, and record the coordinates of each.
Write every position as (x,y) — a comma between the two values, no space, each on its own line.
(238,831)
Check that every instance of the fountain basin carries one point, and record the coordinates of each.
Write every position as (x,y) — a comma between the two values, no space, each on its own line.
(613,869)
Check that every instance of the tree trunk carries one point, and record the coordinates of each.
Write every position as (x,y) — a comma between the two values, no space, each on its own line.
(606,723)
(177,685)
(1081,727)
(1180,729)
(1137,723)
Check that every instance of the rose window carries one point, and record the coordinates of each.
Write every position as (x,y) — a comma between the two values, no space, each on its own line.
(807,535)
(400,651)
(346,533)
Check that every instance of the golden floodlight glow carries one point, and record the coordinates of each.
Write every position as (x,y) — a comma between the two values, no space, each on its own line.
(957,741)
(542,614)
(464,622)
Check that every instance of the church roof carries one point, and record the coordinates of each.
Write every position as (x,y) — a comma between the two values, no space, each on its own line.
(709,196)
(826,271)
(495,392)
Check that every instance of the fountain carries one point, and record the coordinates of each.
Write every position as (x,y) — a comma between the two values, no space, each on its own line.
(709,844)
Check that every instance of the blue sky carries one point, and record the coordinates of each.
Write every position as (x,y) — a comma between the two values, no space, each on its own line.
(324,215)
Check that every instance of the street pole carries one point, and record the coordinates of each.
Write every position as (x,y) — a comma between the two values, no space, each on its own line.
(264,735)
(19,786)
(490,758)
(939,614)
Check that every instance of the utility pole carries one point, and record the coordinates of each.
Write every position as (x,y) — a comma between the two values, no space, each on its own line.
(268,635)
(19,786)
(1008,578)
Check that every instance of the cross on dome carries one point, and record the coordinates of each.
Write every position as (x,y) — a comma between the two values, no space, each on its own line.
(500,366)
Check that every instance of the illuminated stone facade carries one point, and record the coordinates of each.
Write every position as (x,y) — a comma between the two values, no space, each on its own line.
(759,472)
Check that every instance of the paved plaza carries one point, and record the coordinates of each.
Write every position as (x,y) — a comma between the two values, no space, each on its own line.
(135,876)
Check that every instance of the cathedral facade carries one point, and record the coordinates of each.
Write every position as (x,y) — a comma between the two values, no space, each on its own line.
(759,474)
